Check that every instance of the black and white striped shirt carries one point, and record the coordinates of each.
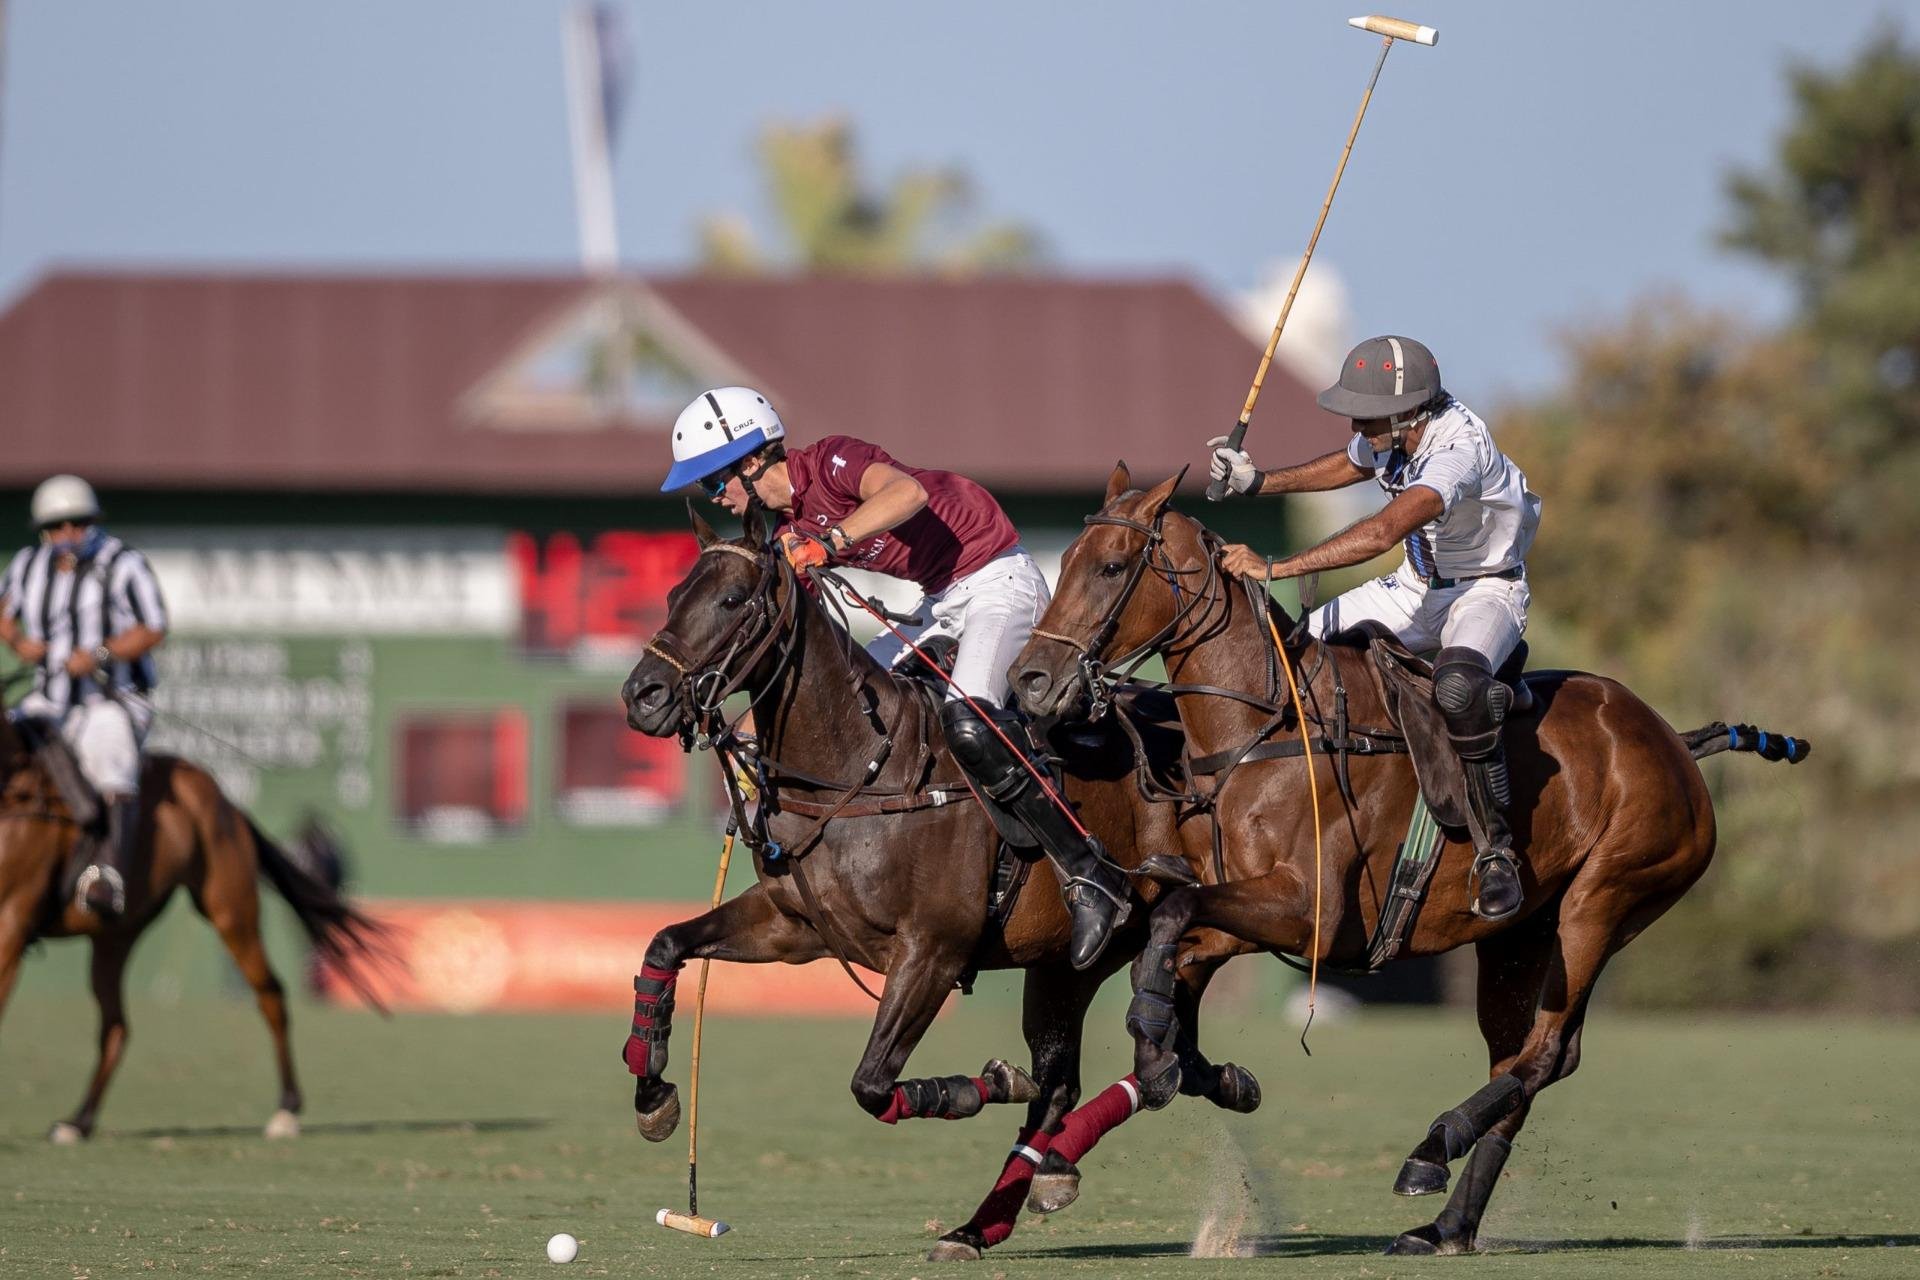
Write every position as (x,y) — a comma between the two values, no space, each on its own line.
(108,592)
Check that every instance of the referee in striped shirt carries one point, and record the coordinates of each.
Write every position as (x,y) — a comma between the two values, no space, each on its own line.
(84,608)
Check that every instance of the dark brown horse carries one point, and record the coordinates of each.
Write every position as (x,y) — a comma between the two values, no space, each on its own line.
(884,860)
(1609,809)
(191,837)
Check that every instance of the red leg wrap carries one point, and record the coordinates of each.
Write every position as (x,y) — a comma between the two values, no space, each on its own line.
(897,1109)
(1087,1123)
(653,988)
(995,1217)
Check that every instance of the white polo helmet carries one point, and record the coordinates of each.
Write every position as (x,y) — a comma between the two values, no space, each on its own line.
(62,498)
(717,430)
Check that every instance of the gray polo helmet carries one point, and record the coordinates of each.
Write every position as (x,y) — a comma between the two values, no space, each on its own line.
(1383,377)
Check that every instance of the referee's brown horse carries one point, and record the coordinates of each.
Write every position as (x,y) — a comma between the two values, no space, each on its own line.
(1609,810)
(890,867)
(191,837)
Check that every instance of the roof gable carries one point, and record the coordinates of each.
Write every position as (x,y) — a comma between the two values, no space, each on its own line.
(448,383)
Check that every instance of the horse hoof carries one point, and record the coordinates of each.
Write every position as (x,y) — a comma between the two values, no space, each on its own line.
(1238,1090)
(1164,868)
(1427,1242)
(1156,1091)
(954,1247)
(1008,1083)
(1055,1185)
(66,1135)
(1420,1178)
(284,1124)
(658,1124)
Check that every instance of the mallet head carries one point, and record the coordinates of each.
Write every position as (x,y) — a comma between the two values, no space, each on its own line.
(1397,28)
(692,1225)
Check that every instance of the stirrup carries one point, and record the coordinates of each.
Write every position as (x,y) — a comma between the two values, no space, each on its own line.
(1512,860)
(1122,902)
(116,889)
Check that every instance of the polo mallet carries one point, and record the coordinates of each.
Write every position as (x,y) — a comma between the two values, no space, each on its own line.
(691,1222)
(1390,29)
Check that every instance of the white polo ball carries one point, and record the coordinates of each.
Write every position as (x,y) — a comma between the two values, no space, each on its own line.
(562,1248)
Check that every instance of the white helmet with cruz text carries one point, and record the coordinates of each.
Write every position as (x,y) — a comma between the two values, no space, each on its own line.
(63,498)
(717,430)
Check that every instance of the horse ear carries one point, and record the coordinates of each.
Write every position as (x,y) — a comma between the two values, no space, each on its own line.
(702,531)
(1120,481)
(1161,494)
(758,523)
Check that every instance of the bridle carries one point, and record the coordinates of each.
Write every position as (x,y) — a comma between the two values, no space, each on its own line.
(767,618)
(1099,673)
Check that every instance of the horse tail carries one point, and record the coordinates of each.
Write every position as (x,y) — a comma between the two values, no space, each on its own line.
(1717,737)
(347,940)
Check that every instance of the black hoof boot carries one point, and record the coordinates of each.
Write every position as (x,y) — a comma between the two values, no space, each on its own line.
(1500,893)
(1420,1178)
(1056,1184)
(962,1244)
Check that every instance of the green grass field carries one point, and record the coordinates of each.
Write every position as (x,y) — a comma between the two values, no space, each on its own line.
(455,1146)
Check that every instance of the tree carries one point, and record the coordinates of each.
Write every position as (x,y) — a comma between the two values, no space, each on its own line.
(1839,208)
(832,221)
(1730,524)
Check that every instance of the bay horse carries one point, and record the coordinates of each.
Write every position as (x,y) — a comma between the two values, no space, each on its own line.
(891,867)
(1609,809)
(190,837)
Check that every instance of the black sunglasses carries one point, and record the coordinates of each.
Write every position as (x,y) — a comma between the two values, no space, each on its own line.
(716,484)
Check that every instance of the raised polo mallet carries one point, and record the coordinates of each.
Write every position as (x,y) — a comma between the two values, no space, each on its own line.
(1390,29)
(691,1222)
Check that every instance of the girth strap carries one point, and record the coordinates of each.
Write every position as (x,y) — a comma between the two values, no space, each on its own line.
(1360,744)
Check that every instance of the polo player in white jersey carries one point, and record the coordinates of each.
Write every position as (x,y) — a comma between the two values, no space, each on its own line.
(83,607)
(1466,517)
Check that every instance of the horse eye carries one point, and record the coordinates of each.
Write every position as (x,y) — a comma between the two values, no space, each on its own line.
(732,601)
(1112,569)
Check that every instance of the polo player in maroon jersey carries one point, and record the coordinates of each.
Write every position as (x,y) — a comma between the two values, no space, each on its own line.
(844,501)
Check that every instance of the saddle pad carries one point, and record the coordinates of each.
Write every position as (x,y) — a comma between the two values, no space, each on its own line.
(1413,866)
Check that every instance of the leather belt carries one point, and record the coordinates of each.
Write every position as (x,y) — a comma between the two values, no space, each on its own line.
(1514,574)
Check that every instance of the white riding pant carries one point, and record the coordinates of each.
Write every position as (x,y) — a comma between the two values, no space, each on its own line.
(104,736)
(990,612)
(1486,615)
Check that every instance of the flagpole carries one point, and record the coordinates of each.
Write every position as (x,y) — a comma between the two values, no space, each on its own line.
(592,154)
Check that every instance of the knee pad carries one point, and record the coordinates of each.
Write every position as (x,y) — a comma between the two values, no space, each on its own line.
(969,735)
(1472,701)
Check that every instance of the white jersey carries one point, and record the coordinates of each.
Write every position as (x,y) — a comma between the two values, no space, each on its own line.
(109,591)
(1488,516)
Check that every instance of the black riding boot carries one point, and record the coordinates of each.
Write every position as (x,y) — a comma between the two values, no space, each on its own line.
(1496,865)
(103,885)
(1475,706)
(1094,889)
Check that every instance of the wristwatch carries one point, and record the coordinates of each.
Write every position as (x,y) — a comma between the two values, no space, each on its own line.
(837,538)
(102,657)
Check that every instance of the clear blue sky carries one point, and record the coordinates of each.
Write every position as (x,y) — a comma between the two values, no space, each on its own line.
(1544,164)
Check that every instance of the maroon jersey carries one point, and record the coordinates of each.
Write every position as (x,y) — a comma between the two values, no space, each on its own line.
(957,532)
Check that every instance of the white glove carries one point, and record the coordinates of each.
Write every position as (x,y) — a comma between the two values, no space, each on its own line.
(1232,465)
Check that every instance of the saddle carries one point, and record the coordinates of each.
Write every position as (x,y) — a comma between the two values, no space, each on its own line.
(1406,680)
